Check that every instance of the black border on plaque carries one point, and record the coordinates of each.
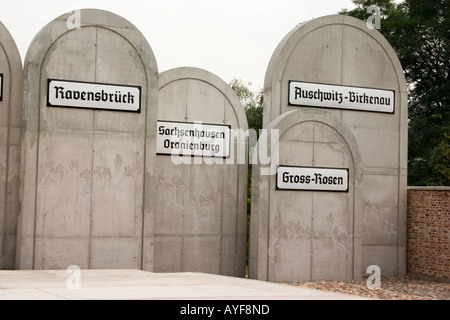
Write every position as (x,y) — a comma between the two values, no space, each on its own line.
(49,80)
(333,168)
(193,155)
(1,86)
(337,108)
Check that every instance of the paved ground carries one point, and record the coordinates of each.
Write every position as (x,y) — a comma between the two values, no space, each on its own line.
(410,287)
(141,285)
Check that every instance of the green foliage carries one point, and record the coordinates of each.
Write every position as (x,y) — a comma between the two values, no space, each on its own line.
(419,31)
(253,105)
(254,112)
(387,7)
(252,102)
(245,95)
(440,162)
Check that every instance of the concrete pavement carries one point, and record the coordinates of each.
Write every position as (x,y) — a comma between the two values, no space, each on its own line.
(141,285)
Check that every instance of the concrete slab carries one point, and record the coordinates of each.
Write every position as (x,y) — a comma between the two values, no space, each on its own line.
(142,285)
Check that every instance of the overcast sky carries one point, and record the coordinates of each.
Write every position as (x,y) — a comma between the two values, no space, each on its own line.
(231,38)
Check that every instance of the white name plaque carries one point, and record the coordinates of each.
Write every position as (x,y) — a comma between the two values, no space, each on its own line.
(312,179)
(63,93)
(193,139)
(341,97)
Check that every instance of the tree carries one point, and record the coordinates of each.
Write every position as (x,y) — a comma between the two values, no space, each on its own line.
(245,95)
(253,105)
(252,102)
(440,161)
(419,32)
(387,9)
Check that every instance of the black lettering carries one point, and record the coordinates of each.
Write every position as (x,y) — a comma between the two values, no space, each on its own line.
(351,97)
(130,98)
(376,100)
(117,97)
(167,143)
(298,92)
(317,177)
(59,90)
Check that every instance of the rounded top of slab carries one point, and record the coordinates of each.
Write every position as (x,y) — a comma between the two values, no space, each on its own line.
(9,45)
(285,51)
(288,120)
(79,19)
(180,73)
(193,73)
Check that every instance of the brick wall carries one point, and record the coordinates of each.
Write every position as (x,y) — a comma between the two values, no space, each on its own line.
(428,245)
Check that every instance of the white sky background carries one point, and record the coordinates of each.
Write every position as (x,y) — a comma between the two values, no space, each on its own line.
(231,38)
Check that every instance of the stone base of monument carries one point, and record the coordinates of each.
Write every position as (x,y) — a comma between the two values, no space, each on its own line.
(141,285)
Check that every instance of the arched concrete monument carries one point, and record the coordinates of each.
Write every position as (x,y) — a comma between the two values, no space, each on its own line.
(334,202)
(301,233)
(91,86)
(201,195)
(11,89)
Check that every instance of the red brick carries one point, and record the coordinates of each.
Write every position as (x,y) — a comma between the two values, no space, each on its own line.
(428,232)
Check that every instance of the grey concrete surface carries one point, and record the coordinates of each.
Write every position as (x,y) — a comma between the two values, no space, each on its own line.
(304,235)
(330,235)
(142,285)
(10,130)
(201,203)
(86,173)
